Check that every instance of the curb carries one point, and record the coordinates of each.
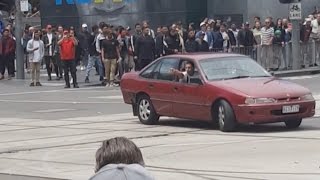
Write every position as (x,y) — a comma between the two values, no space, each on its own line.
(302,72)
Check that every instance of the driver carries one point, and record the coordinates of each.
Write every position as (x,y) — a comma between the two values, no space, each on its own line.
(186,75)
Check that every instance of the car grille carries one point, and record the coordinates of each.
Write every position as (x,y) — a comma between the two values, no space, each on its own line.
(290,99)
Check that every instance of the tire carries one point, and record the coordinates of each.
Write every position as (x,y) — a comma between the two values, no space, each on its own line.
(146,112)
(224,116)
(293,124)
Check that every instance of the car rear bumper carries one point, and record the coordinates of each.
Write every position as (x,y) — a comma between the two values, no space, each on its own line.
(272,113)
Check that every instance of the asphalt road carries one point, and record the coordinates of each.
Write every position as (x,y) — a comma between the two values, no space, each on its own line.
(51,132)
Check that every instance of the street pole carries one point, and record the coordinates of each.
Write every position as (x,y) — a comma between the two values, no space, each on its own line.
(296,55)
(296,49)
(18,36)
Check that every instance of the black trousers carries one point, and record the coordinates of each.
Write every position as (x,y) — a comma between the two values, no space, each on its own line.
(7,62)
(70,66)
(51,63)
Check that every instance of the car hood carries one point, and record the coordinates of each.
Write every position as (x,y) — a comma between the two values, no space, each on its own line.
(267,87)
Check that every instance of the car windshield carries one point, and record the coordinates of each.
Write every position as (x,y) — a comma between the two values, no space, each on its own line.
(232,68)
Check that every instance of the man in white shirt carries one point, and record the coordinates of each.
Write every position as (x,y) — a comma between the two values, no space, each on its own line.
(35,48)
(187,75)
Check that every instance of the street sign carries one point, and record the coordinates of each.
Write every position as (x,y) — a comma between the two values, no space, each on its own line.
(24,5)
(295,11)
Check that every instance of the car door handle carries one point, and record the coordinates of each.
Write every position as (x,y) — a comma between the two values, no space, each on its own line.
(175,89)
(151,86)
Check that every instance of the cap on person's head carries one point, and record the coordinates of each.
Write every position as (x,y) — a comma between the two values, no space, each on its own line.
(308,19)
(122,172)
(202,24)
(247,23)
(84,25)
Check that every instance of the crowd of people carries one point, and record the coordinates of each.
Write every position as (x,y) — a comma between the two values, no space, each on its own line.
(113,51)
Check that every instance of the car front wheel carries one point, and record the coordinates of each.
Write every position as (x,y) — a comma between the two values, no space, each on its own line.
(293,124)
(146,112)
(225,117)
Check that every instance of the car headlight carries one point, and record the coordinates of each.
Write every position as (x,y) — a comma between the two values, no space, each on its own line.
(308,97)
(260,100)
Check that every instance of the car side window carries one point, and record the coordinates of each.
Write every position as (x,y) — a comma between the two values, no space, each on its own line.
(149,72)
(164,72)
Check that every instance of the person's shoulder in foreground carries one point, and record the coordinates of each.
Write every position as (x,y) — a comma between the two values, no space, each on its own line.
(122,172)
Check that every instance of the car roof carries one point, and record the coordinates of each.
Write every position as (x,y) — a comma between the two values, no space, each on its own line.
(201,56)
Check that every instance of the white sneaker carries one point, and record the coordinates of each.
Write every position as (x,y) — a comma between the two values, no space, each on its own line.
(107,85)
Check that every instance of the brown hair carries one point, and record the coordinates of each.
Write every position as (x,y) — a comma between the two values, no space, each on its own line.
(119,150)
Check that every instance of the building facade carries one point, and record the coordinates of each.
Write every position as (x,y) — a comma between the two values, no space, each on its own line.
(240,11)
(161,12)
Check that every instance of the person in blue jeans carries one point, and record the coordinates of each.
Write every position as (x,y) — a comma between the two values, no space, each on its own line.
(94,55)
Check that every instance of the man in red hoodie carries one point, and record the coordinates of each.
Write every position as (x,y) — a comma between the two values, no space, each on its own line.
(67,52)
(7,54)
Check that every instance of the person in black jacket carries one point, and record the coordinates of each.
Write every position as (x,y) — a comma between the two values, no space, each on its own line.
(203,45)
(191,44)
(160,42)
(246,40)
(145,49)
(172,42)
(132,44)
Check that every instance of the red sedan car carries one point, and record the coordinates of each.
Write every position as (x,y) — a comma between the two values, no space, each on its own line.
(226,89)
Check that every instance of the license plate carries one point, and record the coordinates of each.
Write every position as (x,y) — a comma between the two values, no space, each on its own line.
(290,109)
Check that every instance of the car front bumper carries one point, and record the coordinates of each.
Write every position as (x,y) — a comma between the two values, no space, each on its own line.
(268,113)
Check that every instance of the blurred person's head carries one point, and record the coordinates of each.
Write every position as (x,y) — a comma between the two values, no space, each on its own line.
(233,27)
(191,35)
(95,29)
(118,150)
(60,29)
(36,35)
(6,33)
(267,22)
(318,17)
(203,26)
(138,28)
(145,31)
(223,28)
(279,22)
(49,29)
(165,30)
(257,25)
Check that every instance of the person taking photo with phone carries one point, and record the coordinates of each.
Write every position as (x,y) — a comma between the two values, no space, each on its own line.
(68,46)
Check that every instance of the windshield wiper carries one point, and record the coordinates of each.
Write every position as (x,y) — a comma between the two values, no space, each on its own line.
(238,77)
(270,80)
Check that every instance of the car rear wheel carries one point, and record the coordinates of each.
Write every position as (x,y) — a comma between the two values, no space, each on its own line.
(146,112)
(225,117)
(293,124)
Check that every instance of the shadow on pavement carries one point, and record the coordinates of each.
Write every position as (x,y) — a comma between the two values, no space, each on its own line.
(261,128)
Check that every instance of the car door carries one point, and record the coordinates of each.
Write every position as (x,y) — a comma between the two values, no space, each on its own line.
(190,101)
(160,88)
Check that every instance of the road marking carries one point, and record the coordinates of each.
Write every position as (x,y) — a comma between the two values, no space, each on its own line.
(53,84)
(57,102)
(106,97)
(49,91)
(53,110)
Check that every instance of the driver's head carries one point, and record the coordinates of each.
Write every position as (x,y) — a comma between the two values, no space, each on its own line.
(189,68)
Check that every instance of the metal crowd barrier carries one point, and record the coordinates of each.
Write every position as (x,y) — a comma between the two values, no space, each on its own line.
(280,55)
